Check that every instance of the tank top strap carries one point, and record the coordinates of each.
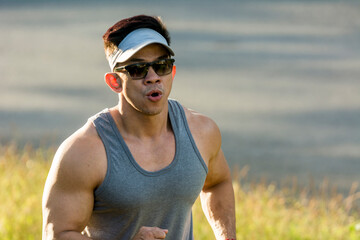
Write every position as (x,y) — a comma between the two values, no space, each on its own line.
(105,127)
(177,115)
(181,127)
(109,134)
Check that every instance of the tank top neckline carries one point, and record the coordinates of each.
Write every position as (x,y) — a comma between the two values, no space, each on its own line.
(131,157)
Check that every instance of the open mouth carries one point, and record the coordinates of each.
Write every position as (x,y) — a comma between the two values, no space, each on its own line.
(154,95)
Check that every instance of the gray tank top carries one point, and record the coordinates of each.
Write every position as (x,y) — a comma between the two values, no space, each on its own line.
(131,197)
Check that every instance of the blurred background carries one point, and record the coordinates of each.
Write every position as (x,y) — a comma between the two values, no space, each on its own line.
(281,78)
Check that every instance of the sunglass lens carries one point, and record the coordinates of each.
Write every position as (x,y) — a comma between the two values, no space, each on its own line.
(137,71)
(163,67)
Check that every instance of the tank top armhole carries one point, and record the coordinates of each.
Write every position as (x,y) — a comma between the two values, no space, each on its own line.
(183,117)
(105,143)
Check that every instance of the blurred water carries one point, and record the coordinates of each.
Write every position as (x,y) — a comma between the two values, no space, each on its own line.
(280,78)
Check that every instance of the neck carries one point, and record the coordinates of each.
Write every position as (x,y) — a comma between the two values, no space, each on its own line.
(133,123)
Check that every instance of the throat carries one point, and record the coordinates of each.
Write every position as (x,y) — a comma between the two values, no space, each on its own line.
(141,123)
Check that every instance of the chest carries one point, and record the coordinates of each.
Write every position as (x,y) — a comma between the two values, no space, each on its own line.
(130,187)
(153,154)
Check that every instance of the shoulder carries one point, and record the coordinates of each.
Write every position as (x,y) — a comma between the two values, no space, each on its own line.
(205,132)
(202,123)
(81,155)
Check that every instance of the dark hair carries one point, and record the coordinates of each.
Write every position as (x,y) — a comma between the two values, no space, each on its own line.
(115,34)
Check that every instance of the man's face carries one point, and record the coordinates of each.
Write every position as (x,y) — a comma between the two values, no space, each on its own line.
(150,94)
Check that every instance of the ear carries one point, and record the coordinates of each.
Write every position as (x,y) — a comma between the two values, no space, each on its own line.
(113,81)
(174,71)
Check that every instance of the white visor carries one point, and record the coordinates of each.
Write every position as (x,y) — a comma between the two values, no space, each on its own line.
(135,41)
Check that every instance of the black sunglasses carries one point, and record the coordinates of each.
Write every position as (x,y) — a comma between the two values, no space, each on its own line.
(139,70)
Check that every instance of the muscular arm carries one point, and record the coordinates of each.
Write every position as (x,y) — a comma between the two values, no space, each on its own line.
(217,196)
(68,193)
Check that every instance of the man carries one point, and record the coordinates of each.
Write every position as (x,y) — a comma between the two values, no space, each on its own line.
(134,171)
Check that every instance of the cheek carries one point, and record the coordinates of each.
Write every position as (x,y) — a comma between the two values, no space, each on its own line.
(131,89)
(169,84)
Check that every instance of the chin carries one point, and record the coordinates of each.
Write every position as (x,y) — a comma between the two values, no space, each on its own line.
(149,110)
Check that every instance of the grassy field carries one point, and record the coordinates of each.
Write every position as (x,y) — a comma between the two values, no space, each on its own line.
(263,210)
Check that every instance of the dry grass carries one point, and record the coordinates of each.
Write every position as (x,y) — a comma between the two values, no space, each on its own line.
(22,176)
(263,211)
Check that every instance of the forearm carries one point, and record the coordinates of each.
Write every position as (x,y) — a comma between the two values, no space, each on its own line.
(218,204)
(73,236)
(67,235)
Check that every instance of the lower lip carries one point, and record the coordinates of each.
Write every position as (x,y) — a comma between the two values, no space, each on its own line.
(155,98)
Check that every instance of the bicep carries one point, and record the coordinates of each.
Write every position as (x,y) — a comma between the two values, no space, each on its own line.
(68,196)
(207,137)
(218,171)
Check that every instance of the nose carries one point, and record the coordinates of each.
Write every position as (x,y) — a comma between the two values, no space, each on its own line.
(151,77)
